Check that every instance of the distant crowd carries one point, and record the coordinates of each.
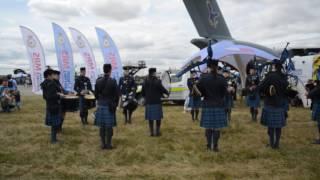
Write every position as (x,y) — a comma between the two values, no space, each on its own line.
(10,97)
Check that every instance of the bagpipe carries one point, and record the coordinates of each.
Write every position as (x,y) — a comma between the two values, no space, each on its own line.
(288,69)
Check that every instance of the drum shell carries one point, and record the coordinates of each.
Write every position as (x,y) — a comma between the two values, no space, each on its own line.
(90,103)
(70,104)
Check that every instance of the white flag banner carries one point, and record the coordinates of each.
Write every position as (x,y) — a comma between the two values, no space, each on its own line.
(87,55)
(110,53)
(36,57)
(64,56)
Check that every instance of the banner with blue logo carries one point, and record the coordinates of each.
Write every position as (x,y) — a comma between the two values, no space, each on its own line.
(36,58)
(110,53)
(87,55)
(64,57)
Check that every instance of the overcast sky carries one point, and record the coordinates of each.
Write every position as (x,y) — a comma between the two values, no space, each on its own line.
(158,31)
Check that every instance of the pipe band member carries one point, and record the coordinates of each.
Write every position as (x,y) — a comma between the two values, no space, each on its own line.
(52,96)
(253,97)
(314,95)
(213,88)
(231,91)
(56,79)
(128,89)
(153,91)
(107,94)
(274,89)
(83,87)
(194,95)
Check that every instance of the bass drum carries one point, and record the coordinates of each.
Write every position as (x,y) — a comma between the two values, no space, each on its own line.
(166,81)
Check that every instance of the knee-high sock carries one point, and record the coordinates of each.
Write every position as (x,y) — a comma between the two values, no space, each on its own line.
(130,115)
(278,136)
(125,112)
(319,128)
(192,114)
(109,133)
(216,136)
(252,112)
(197,113)
(103,136)
(208,134)
(54,134)
(151,127)
(271,132)
(158,123)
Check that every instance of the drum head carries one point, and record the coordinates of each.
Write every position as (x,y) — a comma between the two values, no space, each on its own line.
(166,81)
(89,97)
(71,97)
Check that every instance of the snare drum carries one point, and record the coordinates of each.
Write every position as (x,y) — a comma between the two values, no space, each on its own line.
(70,103)
(90,101)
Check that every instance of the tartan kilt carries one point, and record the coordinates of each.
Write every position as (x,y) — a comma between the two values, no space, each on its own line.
(286,105)
(229,102)
(104,118)
(153,112)
(213,118)
(316,112)
(53,119)
(194,102)
(253,100)
(273,117)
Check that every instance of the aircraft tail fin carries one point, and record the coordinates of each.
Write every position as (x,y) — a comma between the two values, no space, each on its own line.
(208,19)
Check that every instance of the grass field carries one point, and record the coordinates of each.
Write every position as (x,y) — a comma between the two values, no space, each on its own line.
(26,152)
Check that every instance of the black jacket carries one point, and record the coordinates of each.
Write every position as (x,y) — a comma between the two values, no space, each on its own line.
(153,90)
(280,83)
(107,91)
(82,83)
(127,85)
(213,88)
(252,80)
(314,94)
(50,91)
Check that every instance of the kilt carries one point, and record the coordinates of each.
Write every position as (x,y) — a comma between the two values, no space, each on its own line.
(53,119)
(213,118)
(286,105)
(273,117)
(153,112)
(194,102)
(229,102)
(316,112)
(253,100)
(104,118)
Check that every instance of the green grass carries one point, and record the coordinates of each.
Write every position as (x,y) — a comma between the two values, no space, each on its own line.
(26,152)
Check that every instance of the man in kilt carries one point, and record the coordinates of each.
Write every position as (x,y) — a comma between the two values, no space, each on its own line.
(56,79)
(107,94)
(229,96)
(274,89)
(128,89)
(194,96)
(253,97)
(52,97)
(153,91)
(314,95)
(82,86)
(213,88)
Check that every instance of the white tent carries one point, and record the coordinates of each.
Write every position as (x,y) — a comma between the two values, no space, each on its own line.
(236,54)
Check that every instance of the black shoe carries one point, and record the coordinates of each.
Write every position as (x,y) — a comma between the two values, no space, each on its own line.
(158,134)
(109,147)
(317,141)
(216,149)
